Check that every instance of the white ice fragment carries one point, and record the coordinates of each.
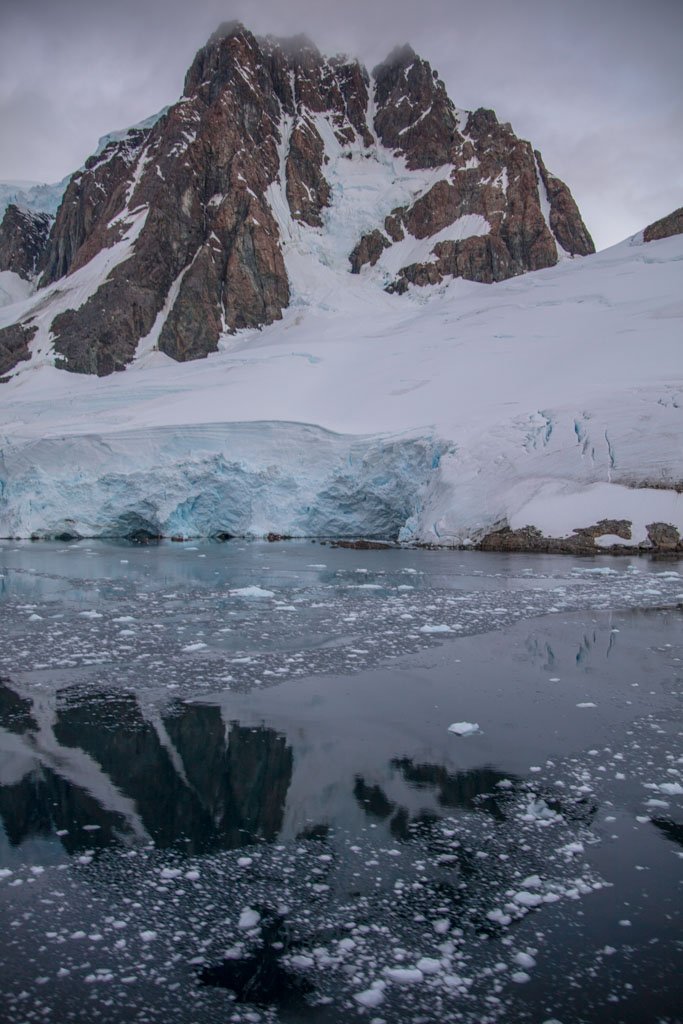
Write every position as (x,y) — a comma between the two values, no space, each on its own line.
(301,961)
(248,918)
(370,997)
(251,592)
(442,628)
(498,917)
(148,935)
(193,647)
(571,849)
(527,899)
(404,975)
(428,965)
(464,728)
(170,872)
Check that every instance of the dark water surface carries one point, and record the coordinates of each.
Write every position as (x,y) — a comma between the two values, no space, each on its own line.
(228,791)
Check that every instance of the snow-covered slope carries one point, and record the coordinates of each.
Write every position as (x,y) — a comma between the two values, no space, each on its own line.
(552,399)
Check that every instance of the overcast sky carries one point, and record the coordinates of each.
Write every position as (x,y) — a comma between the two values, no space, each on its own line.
(596,85)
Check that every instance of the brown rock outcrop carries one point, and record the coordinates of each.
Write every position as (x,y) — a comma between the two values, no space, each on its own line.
(368,250)
(209,248)
(662,537)
(23,240)
(496,176)
(672,224)
(414,114)
(181,215)
(565,219)
(14,345)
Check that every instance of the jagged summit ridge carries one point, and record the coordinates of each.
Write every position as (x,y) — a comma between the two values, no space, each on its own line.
(199,224)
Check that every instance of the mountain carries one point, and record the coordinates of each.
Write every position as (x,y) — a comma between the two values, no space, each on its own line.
(182,225)
(344,308)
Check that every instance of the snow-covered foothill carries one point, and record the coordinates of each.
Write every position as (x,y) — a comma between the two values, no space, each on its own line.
(552,400)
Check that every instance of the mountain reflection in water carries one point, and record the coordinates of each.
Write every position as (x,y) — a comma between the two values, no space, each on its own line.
(99,771)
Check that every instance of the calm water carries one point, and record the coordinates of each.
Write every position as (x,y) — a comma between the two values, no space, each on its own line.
(228,790)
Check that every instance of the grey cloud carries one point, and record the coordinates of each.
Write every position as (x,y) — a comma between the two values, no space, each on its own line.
(595,86)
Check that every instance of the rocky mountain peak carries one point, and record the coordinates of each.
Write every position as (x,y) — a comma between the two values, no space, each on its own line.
(23,237)
(184,229)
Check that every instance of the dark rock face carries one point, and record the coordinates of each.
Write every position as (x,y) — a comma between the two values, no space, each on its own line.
(368,250)
(14,346)
(23,240)
(565,219)
(414,113)
(180,218)
(662,537)
(672,224)
(494,175)
(209,250)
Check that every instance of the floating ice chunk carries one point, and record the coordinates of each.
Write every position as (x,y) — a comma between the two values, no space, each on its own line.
(370,997)
(248,918)
(498,917)
(244,862)
(464,728)
(148,936)
(92,614)
(671,788)
(251,592)
(301,961)
(520,977)
(428,965)
(596,572)
(524,960)
(193,647)
(538,811)
(404,975)
(527,899)
(587,704)
(442,628)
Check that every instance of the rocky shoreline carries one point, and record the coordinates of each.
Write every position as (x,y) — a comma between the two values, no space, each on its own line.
(615,536)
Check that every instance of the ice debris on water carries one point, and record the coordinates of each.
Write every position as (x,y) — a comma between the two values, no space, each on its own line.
(464,728)
(251,592)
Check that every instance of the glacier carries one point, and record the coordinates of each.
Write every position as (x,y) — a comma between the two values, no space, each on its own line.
(554,400)
(213,480)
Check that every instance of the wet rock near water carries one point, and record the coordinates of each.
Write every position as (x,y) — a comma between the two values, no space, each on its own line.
(662,537)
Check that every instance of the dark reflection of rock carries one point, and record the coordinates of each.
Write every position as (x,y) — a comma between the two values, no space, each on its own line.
(316,833)
(242,786)
(43,803)
(671,829)
(459,789)
(261,978)
(15,711)
(197,789)
(372,799)
(111,728)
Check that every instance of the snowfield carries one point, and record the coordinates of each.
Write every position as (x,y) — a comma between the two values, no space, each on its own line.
(554,400)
